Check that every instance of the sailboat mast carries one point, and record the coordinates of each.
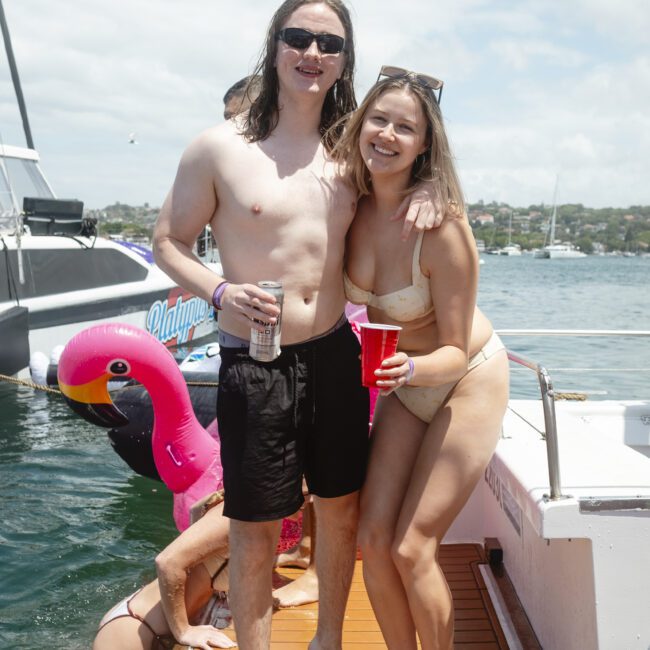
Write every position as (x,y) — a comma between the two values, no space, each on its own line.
(553,216)
(15,78)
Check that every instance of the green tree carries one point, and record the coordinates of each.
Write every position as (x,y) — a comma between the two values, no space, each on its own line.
(585,244)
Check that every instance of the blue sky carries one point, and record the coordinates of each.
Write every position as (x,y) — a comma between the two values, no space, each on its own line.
(533,88)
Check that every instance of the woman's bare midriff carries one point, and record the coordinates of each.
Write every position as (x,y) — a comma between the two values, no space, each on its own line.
(420,337)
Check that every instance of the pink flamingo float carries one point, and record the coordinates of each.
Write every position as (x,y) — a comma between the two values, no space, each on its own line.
(185,453)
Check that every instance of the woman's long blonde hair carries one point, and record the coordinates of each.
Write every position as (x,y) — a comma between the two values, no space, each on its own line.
(436,164)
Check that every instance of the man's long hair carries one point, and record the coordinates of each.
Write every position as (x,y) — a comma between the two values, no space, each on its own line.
(263,115)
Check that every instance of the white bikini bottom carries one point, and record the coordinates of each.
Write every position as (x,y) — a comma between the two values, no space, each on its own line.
(424,401)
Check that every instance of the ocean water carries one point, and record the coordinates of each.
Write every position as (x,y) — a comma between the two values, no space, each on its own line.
(80,530)
(596,293)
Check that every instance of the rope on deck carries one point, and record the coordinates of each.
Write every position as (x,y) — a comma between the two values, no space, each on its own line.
(575,397)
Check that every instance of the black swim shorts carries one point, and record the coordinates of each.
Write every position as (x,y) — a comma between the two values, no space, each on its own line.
(305,413)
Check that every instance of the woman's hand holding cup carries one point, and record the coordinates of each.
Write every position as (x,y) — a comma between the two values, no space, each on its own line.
(394,372)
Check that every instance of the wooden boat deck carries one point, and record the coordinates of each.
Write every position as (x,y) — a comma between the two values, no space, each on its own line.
(476,627)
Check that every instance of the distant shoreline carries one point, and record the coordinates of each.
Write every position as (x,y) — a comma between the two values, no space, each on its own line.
(592,230)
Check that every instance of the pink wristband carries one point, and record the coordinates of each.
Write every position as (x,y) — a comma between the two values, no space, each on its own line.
(409,374)
(218,293)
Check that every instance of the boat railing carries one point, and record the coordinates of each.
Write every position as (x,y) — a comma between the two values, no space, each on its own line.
(548,394)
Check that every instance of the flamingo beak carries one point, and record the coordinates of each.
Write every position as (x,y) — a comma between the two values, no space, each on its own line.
(93,403)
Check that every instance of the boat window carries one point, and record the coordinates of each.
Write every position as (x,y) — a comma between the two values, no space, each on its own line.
(19,178)
(6,204)
(26,180)
(58,271)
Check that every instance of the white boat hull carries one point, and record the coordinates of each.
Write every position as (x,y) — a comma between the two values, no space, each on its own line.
(162,317)
(559,251)
(579,564)
(510,251)
(151,301)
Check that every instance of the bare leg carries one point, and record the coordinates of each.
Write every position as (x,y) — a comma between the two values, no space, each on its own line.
(454,453)
(396,438)
(252,554)
(303,589)
(300,555)
(335,556)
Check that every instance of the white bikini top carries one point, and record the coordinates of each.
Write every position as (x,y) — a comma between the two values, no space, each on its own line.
(403,305)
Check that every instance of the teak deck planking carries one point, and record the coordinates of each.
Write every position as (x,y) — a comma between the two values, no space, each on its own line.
(476,624)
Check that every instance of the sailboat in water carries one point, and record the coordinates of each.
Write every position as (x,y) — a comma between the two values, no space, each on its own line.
(564,250)
(510,249)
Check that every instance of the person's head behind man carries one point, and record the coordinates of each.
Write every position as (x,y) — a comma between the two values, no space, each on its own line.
(240,96)
(339,99)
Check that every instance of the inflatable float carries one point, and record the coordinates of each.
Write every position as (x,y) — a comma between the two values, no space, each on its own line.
(185,452)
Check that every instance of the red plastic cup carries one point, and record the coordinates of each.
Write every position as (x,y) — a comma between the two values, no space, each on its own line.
(378,342)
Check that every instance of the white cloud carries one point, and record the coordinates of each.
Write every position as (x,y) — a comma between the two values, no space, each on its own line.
(518,53)
(627,21)
(578,148)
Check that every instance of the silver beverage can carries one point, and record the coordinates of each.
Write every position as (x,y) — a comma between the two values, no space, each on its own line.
(265,346)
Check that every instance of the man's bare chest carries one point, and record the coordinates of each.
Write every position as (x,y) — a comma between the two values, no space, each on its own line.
(255,186)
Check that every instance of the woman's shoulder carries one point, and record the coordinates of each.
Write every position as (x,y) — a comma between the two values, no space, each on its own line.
(454,226)
(452,240)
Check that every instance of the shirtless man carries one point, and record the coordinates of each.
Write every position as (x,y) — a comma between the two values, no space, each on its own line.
(304,589)
(279,211)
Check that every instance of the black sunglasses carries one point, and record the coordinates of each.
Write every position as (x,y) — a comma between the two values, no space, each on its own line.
(301,39)
(393,72)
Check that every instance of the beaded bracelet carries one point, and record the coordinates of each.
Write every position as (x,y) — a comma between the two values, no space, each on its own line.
(218,293)
(411,370)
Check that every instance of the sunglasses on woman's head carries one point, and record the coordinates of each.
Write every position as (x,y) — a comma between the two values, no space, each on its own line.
(393,72)
(301,39)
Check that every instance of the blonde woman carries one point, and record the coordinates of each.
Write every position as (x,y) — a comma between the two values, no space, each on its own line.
(445,391)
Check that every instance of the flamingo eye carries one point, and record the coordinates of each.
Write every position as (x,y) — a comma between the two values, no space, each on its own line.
(119,367)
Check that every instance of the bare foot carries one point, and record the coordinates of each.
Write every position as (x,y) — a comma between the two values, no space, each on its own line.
(315,645)
(300,591)
(297,556)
